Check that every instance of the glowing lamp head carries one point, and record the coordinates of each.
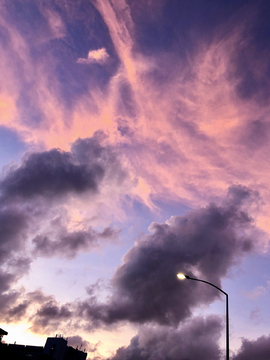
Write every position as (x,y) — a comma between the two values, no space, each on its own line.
(181,276)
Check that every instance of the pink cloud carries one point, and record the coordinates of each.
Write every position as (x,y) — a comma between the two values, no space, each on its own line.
(95,56)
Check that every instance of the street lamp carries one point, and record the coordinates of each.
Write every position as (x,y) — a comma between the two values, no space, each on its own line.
(183,277)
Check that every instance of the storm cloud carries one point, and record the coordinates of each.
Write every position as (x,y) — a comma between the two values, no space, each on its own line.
(197,339)
(49,174)
(204,243)
(54,173)
(254,349)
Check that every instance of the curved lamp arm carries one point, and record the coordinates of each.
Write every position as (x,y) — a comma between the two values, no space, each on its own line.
(182,277)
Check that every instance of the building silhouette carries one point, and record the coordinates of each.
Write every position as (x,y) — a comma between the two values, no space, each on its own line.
(2,333)
(56,348)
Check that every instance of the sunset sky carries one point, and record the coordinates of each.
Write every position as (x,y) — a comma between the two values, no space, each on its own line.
(135,144)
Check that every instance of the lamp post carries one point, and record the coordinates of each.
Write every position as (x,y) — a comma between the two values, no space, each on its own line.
(182,277)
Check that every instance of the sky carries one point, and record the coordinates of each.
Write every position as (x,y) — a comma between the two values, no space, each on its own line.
(134,144)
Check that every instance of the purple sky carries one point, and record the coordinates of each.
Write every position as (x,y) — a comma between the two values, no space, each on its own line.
(134,144)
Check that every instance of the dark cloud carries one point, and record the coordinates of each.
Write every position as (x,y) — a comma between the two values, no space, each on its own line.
(12,269)
(8,297)
(49,174)
(12,227)
(197,339)
(10,310)
(256,349)
(17,312)
(52,175)
(43,312)
(91,149)
(51,310)
(5,280)
(96,287)
(204,243)
(50,317)
(7,300)
(14,261)
(68,244)
(108,233)
(55,173)
(26,195)
(24,192)
(77,341)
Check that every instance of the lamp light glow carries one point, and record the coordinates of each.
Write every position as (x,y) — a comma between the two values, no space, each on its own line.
(181,276)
